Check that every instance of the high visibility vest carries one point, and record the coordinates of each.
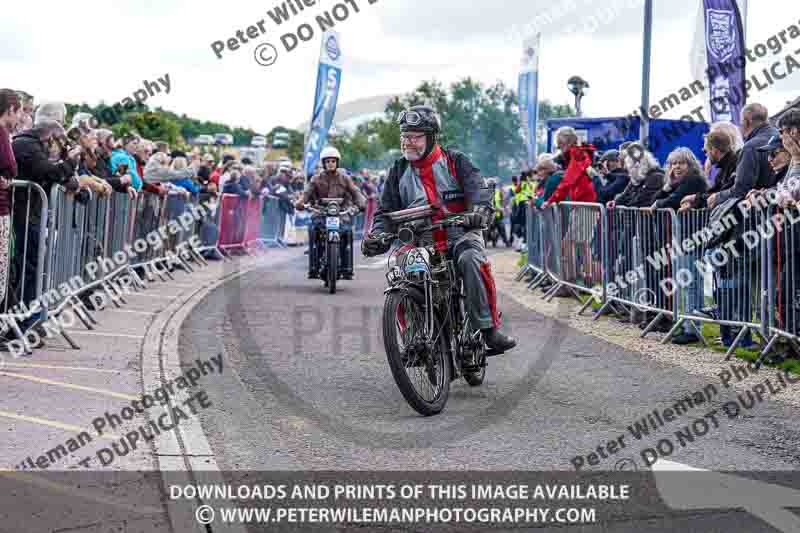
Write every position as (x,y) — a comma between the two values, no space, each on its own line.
(525,193)
(498,204)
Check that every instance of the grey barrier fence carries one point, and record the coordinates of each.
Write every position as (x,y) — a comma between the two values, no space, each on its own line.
(639,258)
(662,262)
(273,223)
(150,216)
(740,277)
(783,278)
(358,225)
(692,274)
(64,247)
(535,247)
(182,226)
(23,263)
(551,241)
(577,242)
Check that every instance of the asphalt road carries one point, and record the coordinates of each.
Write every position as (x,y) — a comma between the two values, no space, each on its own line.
(307,388)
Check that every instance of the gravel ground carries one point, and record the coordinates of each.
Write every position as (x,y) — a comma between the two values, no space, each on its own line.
(696,360)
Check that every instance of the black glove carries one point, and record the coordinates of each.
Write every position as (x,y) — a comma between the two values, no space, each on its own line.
(375,244)
(479,218)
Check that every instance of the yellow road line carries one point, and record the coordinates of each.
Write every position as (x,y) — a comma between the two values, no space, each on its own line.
(53,424)
(58,367)
(101,334)
(69,385)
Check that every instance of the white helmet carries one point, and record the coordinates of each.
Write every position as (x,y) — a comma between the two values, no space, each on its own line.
(330,152)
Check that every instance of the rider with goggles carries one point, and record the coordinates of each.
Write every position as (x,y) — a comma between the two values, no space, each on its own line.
(445,179)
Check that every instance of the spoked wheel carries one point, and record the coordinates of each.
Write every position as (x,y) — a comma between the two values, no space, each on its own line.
(333,267)
(422,373)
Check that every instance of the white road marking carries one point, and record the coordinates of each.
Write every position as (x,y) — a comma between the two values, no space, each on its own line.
(706,489)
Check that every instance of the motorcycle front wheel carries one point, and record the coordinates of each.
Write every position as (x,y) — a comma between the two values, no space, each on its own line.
(333,266)
(422,374)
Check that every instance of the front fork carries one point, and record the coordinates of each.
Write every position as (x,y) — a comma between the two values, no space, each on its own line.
(429,313)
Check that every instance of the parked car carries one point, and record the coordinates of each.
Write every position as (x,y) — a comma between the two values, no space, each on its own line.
(203,139)
(223,138)
(280,139)
(258,141)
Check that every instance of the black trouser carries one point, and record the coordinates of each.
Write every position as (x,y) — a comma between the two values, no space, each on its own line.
(498,226)
(26,259)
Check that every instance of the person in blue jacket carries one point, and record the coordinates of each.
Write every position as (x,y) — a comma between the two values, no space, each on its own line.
(616,178)
(124,157)
(549,176)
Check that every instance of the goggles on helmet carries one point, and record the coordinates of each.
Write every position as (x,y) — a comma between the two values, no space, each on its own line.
(412,118)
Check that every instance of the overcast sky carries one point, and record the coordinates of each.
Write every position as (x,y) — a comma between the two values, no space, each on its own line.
(90,51)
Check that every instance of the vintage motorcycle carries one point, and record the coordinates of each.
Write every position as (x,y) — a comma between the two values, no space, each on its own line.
(336,222)
(428,339)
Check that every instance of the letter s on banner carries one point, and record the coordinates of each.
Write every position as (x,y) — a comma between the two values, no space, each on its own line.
(329,74)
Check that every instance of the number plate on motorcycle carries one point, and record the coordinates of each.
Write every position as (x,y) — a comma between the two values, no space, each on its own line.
(332,222)
(417,260)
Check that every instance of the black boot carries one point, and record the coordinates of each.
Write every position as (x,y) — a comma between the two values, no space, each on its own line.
(497,341)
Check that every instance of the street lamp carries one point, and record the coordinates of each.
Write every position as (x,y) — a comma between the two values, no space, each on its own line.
(576,86)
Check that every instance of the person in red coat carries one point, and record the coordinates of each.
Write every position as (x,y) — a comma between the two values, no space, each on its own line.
(575,159)
(576,185)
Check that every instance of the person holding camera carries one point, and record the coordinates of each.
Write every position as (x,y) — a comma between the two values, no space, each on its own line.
(31,150)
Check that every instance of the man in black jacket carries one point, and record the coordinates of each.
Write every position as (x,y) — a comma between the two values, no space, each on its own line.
(752,168)
(719,149)
(32,154)
(447,180)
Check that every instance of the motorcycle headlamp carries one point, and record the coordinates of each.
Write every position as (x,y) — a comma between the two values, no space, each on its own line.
(406,236)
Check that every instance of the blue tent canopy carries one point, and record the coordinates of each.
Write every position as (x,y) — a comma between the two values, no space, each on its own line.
(608,133)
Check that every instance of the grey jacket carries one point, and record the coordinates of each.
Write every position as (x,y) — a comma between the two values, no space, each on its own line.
(155,171)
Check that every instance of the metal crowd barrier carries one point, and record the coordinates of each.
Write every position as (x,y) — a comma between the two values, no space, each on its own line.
(150,216)
(273,223)
(66,246)
(639,258)
(692,273)
(581,265)
(660,261)
(232,221)
(535,247)
(66,237)
(248,223)
(358,226)
(23,265)
(740,276)
(783,278)
(181,211)
(252,224)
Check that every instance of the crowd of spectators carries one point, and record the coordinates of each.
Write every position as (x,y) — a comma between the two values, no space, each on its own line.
(742,163)
(42,145)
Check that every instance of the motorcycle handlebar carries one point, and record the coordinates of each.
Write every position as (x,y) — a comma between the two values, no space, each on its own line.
(352,211)
(453,221)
